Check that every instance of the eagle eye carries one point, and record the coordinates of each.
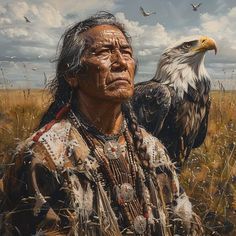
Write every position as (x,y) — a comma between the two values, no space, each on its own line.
(187,45)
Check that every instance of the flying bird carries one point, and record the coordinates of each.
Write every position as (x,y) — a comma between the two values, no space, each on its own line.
(27,19)
(195,7)
(146,13)
(11,57)
(174,105)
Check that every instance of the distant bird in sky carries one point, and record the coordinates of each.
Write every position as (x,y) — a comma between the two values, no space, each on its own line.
(174,105)
(146,13)
(11,57)
(195,7)
(34,68)
(27,19)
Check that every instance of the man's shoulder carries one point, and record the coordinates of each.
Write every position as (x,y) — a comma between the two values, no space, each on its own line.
(57,140)
(49,132)
(52,131)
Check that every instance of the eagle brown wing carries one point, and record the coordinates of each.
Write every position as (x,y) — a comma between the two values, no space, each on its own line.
(151,103)
(203,128)
(185,125)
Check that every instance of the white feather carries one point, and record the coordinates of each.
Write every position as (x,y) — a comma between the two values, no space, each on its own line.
(183,209)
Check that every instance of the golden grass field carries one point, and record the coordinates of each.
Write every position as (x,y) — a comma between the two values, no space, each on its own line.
(209,176)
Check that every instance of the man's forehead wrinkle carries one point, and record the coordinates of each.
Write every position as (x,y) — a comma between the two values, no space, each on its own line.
(111,33)
(105,38)
(110,43)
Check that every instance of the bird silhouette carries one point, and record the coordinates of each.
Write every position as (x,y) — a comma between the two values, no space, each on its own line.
(195,7)
(27,19)
(146,13)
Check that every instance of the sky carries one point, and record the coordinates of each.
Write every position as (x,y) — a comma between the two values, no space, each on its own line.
(28,50)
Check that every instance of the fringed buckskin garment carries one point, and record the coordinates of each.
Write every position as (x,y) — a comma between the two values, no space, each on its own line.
(69,181)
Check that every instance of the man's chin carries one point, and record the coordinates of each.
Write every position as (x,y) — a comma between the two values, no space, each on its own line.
(120,96)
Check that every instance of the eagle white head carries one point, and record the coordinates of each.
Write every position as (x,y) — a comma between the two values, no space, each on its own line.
(182,64)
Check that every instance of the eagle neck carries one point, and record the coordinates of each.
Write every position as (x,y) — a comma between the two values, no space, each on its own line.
(184,77)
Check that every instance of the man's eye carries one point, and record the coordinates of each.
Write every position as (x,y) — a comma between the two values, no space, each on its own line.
(104,51)
(127,52)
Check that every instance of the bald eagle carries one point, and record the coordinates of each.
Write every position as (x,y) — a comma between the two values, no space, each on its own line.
(174,105)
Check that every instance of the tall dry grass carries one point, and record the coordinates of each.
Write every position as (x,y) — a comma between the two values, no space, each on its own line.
(20,112)
(209,176)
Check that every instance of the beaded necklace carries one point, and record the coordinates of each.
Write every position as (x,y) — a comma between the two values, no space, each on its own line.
(91,129)
(121,173)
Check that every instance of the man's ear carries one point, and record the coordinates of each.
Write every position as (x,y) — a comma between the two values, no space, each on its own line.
(72,81)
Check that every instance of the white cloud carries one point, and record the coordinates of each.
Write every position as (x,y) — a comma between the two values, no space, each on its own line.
(48,15)
(220,26)
(232,13)
(4,21)
(17,9)
(157,36)
(213,25)
(2,10)
(14,32)
(81,6)
(34,52)
(145,52)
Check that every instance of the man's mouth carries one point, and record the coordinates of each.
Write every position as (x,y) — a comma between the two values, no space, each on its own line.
(119,80)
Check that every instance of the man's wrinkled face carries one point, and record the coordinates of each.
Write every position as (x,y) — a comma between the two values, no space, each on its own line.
(109,65)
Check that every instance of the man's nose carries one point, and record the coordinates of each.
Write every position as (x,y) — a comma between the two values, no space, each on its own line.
(118,61)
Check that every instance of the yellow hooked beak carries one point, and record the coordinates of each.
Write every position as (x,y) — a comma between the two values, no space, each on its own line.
(206,43)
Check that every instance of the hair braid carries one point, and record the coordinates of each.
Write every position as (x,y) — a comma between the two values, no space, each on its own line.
(135,130)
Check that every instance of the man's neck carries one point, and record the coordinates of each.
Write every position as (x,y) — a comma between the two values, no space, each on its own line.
(104,115)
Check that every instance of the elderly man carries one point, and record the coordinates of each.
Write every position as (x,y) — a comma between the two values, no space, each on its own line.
(90,169)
